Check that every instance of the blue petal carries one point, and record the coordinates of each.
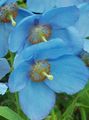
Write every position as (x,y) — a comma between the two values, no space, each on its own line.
(22,13)
(3,88)
(43,5)
(2,2)
(63,17)
(4,34)
(20,34)
(36,100)
(47,4)
(6,29)
(86,45)
(63,3)
(48,50)
(70,75)
(11,1)
(19,78)
(70,36)
(4,67)
(83,22)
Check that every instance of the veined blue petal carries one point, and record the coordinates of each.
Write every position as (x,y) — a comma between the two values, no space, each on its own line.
(45,50)
(19,77)
(22,13)
(49,4)
(63,17)
(83,22)
(3,88)
(43,5)
(6,29)
(36,100)
(4,34)
(4,67)
(71,37)
(70,75)
(21,33)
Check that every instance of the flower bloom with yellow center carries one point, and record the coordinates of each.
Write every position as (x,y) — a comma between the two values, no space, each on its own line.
(10,15)
(41,71)
(44,27)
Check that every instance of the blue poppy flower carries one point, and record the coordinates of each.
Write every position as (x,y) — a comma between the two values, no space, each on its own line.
(43,70)
(4,69)
(49,4)
(41,28)
(9,14)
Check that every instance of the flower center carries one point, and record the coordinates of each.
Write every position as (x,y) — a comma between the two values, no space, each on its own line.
(40,71)
(8,13)
(39,33)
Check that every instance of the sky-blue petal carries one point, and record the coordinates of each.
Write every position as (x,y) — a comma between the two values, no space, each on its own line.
(70,75)
(21,33)
(45,50)
(49,4)
(22,13)
(36,100)
(7,28)
(3,88)
(19,78)
(83,22)
(4,34)
(63,17)
(70,36)
(4,67)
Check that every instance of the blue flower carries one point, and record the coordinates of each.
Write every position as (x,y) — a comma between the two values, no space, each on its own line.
(47,4)
(43,70)
(4,69)
(9,14)
(42,28)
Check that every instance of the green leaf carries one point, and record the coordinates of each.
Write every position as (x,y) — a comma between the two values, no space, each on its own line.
(9,114)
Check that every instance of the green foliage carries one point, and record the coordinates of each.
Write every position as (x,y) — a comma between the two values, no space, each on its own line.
(9,114)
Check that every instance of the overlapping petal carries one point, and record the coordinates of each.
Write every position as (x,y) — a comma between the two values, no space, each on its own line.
(83,23)
(36,100)
(19,78)
(21,30)
(48,4)
(63,17)
(49,50)
(6,29)
(4,67)
(70,75)
(71,37)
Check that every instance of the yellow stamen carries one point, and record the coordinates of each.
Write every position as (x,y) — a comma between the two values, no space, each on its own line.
(12,20)
(50,77)
(44,39)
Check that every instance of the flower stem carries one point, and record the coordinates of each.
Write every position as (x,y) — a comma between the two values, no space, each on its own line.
(17,103)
